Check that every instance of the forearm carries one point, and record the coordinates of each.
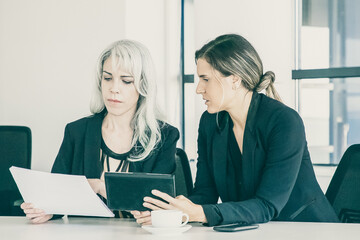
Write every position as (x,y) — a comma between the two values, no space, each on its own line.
(212,214)
(254,210)
(98,186)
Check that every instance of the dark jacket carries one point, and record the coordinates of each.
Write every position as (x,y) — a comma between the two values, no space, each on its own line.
(278,180)
(79,153)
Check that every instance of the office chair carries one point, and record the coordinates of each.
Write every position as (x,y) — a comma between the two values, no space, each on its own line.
(183,179)
(343,192)
(15,150)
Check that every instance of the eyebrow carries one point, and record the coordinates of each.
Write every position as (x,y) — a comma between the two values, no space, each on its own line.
(107,73)
(203,76)
(123,76)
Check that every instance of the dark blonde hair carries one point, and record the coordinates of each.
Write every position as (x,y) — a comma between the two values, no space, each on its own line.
(231,54)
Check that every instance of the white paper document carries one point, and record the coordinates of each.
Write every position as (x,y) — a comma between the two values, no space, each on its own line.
(59,193)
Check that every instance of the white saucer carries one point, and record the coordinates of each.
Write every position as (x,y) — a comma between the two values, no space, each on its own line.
(166,230)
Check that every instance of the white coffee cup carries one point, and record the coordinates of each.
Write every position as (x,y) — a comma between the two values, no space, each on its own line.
(168,218)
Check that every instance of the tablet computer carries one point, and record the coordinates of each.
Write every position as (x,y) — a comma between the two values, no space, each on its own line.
(126,191)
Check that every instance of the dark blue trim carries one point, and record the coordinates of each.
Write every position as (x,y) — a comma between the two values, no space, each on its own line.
(344,72)
(182,67)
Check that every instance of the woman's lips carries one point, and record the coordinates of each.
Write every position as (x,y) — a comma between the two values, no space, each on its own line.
(114,101)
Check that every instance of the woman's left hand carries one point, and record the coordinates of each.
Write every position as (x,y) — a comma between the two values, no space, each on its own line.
(195,211)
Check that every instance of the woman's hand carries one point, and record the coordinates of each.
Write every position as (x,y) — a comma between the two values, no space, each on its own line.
(195,212)
(35,215)
(142,218)
(98,186)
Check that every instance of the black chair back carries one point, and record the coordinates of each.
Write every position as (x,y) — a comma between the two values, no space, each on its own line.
(15,150)
(183,179)
(344,190)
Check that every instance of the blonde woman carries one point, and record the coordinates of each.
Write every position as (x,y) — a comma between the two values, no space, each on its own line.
(125,133)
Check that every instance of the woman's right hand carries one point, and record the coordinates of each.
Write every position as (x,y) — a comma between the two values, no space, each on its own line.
(142,218)
(35,215)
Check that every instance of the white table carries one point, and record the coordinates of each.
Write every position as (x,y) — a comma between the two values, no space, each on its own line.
(111,228)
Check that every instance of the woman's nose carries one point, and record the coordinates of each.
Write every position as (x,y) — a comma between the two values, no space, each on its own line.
(115,87)
(114,90)
(200,88)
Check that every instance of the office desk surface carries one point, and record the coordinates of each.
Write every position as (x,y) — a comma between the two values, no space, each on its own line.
(111,228)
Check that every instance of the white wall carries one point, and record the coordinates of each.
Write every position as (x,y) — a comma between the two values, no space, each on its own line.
(48,56)
(156,23)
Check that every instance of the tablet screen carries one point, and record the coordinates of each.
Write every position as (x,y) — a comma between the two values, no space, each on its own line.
(126,191)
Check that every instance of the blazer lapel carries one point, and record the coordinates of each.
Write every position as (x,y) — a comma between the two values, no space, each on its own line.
(248,164)
(219,156)
(92,163)
(249,146)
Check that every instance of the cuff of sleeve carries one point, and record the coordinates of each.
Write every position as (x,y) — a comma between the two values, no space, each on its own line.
(212,214)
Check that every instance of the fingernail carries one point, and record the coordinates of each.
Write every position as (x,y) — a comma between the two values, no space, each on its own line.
(146,199)
(154,191)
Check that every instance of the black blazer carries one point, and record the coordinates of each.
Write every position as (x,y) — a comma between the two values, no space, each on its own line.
(79,153)
(278,179)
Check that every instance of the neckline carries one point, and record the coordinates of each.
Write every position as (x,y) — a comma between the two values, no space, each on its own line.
(112,154)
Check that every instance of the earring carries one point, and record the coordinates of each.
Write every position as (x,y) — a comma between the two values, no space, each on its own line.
(236,85)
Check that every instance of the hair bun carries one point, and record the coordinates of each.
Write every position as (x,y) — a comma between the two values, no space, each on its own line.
(269,75)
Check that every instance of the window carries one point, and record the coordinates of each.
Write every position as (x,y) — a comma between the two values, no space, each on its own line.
(328,75)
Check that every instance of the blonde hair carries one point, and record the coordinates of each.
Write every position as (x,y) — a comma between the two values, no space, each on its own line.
(134,58)
(231,54)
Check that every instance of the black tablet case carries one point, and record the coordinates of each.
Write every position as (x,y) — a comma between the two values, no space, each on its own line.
(126,191)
